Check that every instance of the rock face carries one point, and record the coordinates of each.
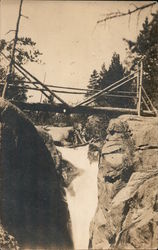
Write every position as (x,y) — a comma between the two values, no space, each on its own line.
(66,171)
(127,212)
(32,204)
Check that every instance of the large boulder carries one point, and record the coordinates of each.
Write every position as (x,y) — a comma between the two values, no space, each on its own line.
(127,212)
(32,202)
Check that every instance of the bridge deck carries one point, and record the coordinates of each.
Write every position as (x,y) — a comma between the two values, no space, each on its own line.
(62,108)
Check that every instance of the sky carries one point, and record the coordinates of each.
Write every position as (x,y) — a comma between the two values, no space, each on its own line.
(73,45)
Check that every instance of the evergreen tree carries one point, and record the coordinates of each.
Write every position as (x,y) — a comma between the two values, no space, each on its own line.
(101,101)
(25,52)
(103,76)
(113,74)
(116,70)
(108,77)
(93,83)
(146,46)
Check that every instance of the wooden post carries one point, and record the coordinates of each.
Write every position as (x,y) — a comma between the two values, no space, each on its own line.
(140,89)
(138,79)
(150,102)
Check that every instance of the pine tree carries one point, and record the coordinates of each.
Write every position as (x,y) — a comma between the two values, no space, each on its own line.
(101,101)
(116,70)
(103,76)
(108,77)
(146,46)
(93,83)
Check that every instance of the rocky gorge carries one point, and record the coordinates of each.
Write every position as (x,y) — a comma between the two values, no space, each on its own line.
(127,211)
(34,212)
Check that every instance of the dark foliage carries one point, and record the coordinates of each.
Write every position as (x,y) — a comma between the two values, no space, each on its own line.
(146,46)
(105,78)
(25,52)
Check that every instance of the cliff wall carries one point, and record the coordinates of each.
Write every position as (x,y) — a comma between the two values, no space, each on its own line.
(127,212)
(32,202)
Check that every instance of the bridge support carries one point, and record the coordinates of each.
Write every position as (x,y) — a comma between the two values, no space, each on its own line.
(139,87)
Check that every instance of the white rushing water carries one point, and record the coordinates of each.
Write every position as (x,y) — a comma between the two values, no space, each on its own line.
(82,204)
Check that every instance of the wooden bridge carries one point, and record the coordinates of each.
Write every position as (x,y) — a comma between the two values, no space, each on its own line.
(143,104)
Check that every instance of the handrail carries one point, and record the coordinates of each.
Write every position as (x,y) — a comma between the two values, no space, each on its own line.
(107,92)
(105,89)
(43,85)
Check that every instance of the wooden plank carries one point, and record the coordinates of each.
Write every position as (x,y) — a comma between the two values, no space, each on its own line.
(68,92)
(42,89)
(71,88)
(57,87)
(138,79)
(140,89)
(61,108)
(145,103)
(119,96)
(151,104)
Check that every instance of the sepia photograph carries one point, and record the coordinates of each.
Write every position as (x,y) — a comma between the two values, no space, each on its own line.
(78,125)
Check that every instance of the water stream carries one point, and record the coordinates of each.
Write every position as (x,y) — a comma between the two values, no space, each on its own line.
(83,201)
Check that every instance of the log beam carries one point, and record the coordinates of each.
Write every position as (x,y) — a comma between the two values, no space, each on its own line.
(61,108)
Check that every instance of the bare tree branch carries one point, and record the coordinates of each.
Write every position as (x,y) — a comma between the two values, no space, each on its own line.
(134,5)
(25,16)
(129,12)
(10,31)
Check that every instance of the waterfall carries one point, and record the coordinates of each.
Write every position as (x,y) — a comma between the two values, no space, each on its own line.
(82,201)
